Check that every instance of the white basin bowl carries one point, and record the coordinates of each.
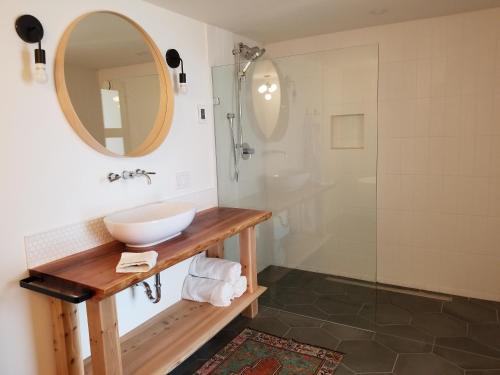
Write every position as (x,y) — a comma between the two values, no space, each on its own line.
(150,224)
(287,181)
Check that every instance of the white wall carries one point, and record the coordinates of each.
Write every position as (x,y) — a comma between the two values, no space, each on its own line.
(51,178)
(439,149)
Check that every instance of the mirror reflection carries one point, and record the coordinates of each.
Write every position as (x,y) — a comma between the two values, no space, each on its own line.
(112,81)
(267,99)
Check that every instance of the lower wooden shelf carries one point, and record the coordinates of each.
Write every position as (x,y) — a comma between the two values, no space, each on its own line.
(163,342)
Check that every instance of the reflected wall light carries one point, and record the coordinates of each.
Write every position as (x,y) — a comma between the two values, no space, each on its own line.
(174,60)
(30,30)
(267,89)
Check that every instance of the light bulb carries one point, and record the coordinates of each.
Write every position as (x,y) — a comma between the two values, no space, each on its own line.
(273,87)
(40,75)
(183,88)
(268,96)
(262,89)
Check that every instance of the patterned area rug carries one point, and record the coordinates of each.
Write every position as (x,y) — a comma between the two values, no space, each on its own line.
(257,353)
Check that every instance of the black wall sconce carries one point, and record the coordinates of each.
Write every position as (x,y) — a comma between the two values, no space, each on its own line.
(30,30)
(173,60)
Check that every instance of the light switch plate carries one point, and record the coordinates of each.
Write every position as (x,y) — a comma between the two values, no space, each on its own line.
(202,114)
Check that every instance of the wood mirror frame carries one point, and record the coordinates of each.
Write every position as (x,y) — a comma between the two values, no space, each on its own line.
(164,116)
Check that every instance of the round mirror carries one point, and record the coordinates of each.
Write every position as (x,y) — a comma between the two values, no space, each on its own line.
(113,85)
(268,101)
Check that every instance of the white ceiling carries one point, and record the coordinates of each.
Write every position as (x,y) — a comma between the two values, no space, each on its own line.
(104,40)
(270,21)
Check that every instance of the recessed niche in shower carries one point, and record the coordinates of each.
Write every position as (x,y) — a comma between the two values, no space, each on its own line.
(347,131)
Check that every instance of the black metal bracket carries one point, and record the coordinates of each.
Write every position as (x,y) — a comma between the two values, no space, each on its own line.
(56,290)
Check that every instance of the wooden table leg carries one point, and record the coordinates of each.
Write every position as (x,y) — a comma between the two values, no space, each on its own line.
(104,337)
(66,337)
(248,259)
(216,251)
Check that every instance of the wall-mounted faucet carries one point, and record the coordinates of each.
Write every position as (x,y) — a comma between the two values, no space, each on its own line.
(130,174)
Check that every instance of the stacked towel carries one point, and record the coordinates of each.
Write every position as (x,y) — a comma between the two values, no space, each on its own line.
(137,262)
(214,268)
(213,280)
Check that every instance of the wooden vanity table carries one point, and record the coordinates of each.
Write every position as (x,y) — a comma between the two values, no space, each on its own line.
(163,342)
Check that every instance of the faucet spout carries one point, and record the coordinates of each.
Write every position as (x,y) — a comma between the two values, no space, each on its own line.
(142,172)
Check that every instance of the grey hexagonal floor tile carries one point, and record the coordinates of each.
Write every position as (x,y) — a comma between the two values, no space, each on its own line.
(295,320)
(270,325)
(468,345)
(296,278)
(424,364)
(467,360)
(294,296)
(490,304)
(416,303)
(363,294)
(355,321)
(367,355)
(313,336)
(406,332)
(342,370)
(324,286)
(488,334)
(471,312)
(386,314)
(271,275)
(401,345)
(337,305)
(343,332)
(307,310)
(440,324)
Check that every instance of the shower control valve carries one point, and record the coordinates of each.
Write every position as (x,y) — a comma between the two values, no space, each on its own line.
(246,151)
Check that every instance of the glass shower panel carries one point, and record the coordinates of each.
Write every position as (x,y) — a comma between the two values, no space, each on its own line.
(312,121)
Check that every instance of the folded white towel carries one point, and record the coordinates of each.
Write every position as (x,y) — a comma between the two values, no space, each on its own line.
(214,268)
(137,262)
(239,287)
(199,289)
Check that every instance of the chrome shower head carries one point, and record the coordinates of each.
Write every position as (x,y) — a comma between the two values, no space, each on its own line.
(252,54)
(248,53)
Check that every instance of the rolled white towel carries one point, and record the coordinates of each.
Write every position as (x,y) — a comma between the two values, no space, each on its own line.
(214,268)
(199,289)
(239,287)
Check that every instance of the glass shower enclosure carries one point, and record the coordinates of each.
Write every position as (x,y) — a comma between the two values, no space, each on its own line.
(310,123)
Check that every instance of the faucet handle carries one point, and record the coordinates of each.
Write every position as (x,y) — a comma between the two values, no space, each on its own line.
(112,177)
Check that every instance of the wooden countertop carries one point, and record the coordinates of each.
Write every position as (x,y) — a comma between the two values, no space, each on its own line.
(95,269)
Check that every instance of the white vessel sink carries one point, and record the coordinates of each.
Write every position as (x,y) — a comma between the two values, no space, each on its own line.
(150,224)
(287,181)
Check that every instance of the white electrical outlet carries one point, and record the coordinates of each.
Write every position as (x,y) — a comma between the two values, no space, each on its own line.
(202,113)
(183,180)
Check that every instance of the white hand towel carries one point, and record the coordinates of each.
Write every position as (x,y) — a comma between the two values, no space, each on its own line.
(214,268)
(239,287)
(216,292)
(137,262)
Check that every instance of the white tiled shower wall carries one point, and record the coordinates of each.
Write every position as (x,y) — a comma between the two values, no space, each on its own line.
(439,149)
